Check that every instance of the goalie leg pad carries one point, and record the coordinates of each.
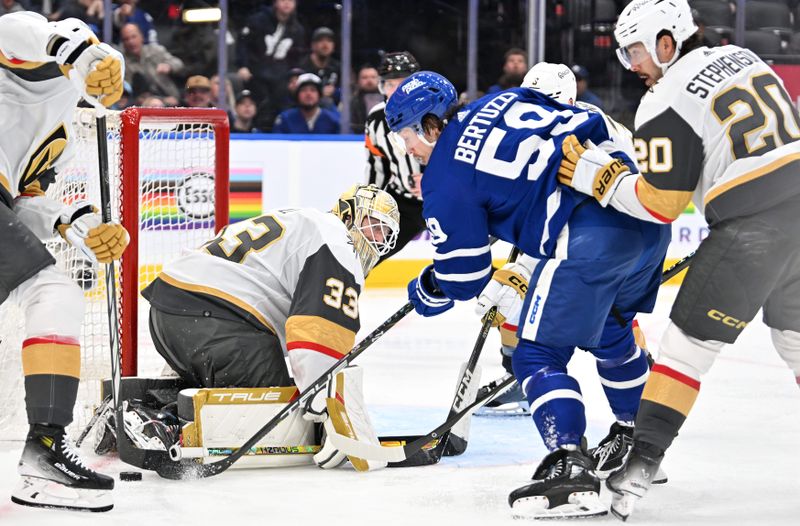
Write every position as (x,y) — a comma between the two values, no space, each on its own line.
(348,417)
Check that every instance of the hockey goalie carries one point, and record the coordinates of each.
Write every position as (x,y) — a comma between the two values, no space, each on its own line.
(225,315)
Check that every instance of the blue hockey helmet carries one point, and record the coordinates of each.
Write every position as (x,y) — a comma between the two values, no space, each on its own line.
(422,93)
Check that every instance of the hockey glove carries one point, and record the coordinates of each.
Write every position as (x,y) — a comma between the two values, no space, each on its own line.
(97,69)
(589,170)
(424,293)
(83,227)
(506,290)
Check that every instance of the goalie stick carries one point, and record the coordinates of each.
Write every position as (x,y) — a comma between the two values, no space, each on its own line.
(170,465)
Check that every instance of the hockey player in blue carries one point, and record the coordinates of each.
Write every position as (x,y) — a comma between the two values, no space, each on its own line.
(492,170)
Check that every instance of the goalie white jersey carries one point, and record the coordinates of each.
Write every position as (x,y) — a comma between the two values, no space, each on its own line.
(718,129)
(291,272)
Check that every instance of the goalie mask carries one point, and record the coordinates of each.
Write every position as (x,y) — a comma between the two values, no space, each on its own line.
(372,220)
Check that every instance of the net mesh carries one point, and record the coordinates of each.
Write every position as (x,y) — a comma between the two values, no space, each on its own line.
(174,190)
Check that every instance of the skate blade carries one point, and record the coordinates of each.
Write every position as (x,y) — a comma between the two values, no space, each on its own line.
(43,493)
(622,505)
(579,504)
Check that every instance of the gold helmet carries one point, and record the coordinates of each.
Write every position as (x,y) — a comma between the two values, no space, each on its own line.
(372,219)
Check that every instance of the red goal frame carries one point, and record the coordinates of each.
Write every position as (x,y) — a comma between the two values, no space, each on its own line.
(131,124)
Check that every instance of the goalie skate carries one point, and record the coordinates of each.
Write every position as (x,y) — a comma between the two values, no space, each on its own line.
(510,403)
(563,487)
(54,476)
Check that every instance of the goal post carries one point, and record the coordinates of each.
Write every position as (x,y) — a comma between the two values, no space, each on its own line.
(134,130)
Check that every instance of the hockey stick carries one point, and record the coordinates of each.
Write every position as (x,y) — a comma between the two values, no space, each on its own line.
(400,450)
(169,464)
(454,441)
(427,449)
(111,275)
(677,267)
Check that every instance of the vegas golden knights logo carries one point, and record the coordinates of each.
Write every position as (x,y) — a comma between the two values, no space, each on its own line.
(44,156)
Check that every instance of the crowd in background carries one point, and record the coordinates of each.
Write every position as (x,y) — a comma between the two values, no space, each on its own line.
(284,74)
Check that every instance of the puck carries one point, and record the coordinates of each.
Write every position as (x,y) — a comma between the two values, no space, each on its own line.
(130,475)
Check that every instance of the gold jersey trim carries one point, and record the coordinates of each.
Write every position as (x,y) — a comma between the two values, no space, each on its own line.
(749,176)
(210,291)
(314,329)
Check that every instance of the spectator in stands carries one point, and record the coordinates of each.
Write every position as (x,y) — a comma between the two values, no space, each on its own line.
(307,117)
(268,46)
(365,97)
(230,93)
(196,46)
(128,12)
(198,92)
(244,114)
(149,68)
(322,63)
(269,109)
(515,65)
(90,11)
(582,84)
(10,6)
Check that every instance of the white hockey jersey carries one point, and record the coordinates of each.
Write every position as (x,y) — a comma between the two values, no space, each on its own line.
(37,102)
(718,129)
(292,272)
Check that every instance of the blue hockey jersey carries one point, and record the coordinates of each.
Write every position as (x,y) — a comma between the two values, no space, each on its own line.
(493,172)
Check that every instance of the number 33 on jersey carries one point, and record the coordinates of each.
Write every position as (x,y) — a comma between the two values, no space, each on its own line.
(291,272)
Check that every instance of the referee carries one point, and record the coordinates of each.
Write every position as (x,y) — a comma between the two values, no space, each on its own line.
(388,167)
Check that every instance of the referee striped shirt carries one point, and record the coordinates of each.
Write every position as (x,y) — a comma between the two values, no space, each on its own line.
(386,167)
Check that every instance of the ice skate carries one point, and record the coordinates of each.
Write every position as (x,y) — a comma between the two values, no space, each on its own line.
(54,476)
(610,454)
(512,402)
(631,483)
(146,427)
(563,487)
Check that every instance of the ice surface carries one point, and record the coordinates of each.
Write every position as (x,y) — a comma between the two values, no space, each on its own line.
(735,462)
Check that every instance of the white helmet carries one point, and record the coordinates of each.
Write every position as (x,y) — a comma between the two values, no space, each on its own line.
(554,80)
(642,21)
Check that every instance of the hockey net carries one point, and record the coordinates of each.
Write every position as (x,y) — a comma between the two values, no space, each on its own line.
(169,188)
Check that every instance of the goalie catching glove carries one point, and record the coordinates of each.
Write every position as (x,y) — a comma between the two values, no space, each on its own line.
(342,411)
(506,290)
(590,171)
(83,227)
(97,69)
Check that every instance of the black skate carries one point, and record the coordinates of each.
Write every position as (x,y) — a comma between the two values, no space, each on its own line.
(610,454)
(146,427)
(510,403)
(631,483)
(54,476)
(564,486)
